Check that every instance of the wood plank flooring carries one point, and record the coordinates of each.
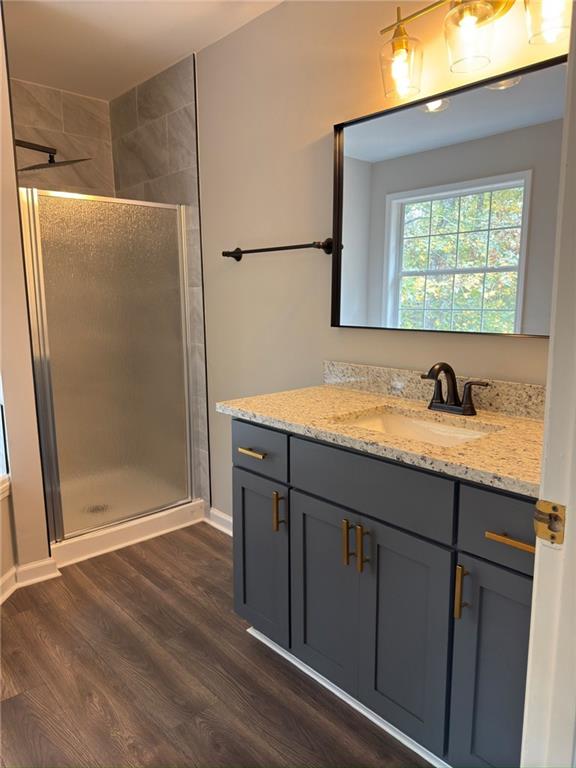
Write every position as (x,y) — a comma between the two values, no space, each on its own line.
(136,658)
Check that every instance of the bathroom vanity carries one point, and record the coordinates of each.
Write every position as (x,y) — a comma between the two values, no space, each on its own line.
(400,570)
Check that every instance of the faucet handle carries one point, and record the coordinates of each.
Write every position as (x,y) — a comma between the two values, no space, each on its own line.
(468,408)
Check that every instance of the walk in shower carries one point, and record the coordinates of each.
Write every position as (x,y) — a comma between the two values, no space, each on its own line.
(108,308)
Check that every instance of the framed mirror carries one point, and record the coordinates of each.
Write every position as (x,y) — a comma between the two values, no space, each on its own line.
(445,209)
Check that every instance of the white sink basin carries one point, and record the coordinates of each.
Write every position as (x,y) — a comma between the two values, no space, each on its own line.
(413,428)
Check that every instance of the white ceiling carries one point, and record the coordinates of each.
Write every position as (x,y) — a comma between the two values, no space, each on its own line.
(102,48)
(538,98)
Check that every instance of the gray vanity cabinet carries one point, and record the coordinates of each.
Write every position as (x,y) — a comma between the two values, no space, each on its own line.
(324,590)
(489,666)
(405,615)
(261,566)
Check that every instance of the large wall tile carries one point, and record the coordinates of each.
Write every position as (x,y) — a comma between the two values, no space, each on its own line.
(179,187)
(123,114)
(35,105)
(137,192)
(85,116)
(95,174)
(182,139)
(166,92)
(194,258)
(141,155)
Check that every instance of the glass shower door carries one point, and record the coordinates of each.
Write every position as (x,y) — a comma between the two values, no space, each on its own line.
(108,314)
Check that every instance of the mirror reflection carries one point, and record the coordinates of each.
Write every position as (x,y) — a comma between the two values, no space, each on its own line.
(449,210)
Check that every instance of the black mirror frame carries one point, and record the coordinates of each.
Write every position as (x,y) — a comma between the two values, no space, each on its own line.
(338,195)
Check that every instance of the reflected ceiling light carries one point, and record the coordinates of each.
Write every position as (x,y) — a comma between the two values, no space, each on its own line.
(401,62)
(548,21)
(503,85)
(438,105)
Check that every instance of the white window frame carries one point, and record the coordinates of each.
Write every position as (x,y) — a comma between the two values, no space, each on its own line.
(393,237)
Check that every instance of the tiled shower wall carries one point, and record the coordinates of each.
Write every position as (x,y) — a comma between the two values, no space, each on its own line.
(154,150)
(77,126)
(143,146)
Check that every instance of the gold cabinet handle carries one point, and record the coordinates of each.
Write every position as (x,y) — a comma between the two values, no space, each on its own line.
(276,499)
(458,604)
(503,538)
(345,528)
(253,454)
(360,559)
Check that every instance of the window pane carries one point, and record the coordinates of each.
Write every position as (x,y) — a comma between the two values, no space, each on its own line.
(498,322)
(467,320)
(412,292)
(500,290)
(410,318)
(468,291)
(442,252)
(416,218)
(507,207)
(472,249)
(439,291)
(437,320)
(445,215)
(474,211)
(504,249)
(415,254)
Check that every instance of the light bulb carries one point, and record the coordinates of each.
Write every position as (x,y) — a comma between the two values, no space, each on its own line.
(468,30)
(401,72)
(548,20)
(438,105)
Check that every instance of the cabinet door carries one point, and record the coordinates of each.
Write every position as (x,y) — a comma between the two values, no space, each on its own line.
(261,565)
(489,666)
(324,590)
(405,620)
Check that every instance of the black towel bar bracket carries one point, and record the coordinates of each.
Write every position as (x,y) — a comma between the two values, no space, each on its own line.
(237,253)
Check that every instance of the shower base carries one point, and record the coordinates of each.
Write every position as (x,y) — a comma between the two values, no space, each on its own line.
(93,501)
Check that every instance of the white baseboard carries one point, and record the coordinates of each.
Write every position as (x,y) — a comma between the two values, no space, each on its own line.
(24,575)
(124,534)
(219,520)
(7,584)
(376,719)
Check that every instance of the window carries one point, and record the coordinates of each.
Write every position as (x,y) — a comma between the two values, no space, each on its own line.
(457,260)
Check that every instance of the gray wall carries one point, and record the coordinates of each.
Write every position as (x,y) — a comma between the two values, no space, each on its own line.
(356,217)
(154,149)
(77,126)
(269,96)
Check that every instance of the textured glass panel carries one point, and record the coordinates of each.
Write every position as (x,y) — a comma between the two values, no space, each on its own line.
(114,315)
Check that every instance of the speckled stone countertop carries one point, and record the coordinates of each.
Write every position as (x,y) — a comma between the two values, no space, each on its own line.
(506,457)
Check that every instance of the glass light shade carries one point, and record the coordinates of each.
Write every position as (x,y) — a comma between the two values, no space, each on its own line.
(401,65)
(469,32)
(548,21)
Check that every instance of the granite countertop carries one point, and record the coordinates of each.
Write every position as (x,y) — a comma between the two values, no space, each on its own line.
(508,456)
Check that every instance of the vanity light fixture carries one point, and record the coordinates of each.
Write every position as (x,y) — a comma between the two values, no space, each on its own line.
(468,30)
(503,85)
(401,63)
(438,105)
(548,21)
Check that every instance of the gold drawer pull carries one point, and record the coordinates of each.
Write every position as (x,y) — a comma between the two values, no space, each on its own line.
(276,499)
(458,604)
(360,560)
(345,528)
(503,538)
(253,454)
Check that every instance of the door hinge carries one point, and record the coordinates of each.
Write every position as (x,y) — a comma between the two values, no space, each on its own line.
(549,520)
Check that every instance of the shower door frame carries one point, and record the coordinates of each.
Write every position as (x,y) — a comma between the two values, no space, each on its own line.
(34,268)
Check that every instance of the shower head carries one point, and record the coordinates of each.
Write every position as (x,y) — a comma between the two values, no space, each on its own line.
(52,164)
(50,151)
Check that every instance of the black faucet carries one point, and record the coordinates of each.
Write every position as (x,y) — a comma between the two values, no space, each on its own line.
(452,403)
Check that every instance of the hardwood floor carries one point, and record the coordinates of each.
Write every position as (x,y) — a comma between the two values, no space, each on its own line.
(136,658)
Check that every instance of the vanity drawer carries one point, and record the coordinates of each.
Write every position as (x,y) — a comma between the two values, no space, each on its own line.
(260,449)
(489,512)
(404,497)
